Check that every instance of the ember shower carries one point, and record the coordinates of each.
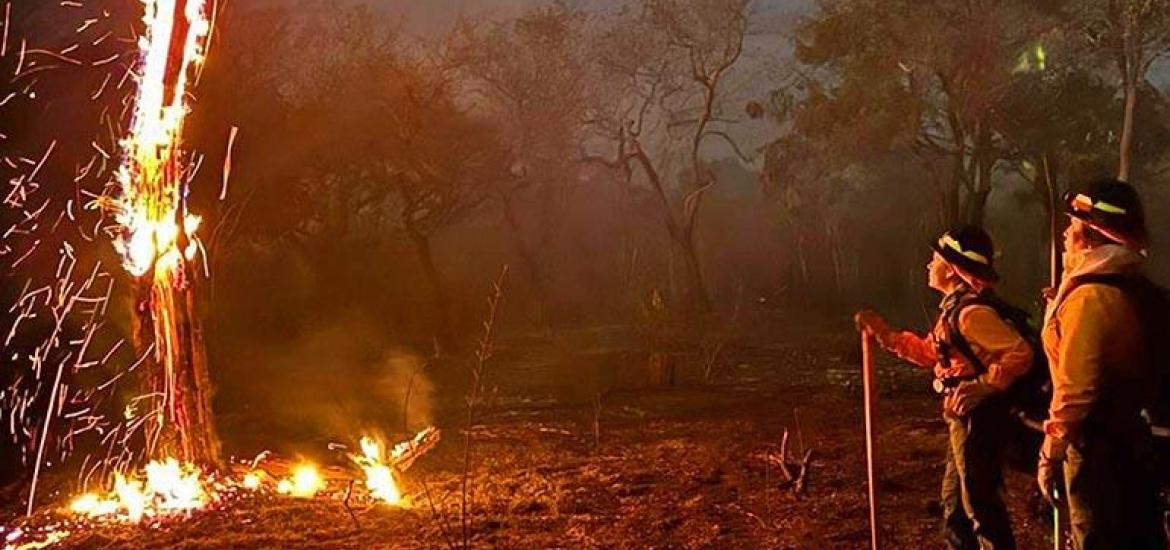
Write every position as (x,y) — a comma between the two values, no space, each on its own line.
(157,241)
(142,209)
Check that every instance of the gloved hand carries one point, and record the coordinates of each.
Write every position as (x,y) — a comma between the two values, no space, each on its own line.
(1047,295)
(872,322)
(1050,468)
(967,395)
(949,367)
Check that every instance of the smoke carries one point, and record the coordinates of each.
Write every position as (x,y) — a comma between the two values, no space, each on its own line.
(337,381)
(406,385)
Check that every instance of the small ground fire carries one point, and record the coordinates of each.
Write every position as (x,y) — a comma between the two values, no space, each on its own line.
(168,490)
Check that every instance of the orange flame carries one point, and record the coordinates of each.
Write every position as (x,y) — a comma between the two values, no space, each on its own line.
(156,233)
(151,192)
(169,487)
(305,482)
(379,477)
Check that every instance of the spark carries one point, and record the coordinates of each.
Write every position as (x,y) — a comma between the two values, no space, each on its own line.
(7,17)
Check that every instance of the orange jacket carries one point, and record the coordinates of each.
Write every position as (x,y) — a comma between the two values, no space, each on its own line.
(1005,354)
(1092,335)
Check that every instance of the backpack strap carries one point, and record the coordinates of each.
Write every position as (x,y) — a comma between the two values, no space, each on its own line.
(955,338)
(1124,282)
(1009,314)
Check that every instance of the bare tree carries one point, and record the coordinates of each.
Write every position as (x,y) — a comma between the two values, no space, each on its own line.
(666,66)
(531,73)
(366,135)
(1131,35)
(434,162)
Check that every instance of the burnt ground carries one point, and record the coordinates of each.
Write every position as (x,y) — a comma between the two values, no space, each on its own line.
(643,467)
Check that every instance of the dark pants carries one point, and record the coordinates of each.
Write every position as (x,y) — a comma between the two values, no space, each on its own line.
(974,515)
(1113,496)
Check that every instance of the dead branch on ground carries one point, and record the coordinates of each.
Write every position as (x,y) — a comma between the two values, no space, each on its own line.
(795,471)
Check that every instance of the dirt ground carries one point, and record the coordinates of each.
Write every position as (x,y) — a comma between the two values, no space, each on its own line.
(684,466)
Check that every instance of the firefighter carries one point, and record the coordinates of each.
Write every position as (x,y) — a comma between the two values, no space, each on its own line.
(974,407)
(1096,440)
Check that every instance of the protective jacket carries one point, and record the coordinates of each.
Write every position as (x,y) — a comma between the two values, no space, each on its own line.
(1092,336)
(1096,355)
(1005,354)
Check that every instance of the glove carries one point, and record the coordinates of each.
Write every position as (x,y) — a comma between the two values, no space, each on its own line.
(966,396)
(946,367)
(1049,469)
(871,322)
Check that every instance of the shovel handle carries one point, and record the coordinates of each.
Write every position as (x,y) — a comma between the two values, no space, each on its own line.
(1056,538)
(867,378)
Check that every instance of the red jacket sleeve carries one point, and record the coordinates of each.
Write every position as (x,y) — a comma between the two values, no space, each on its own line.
(911,347)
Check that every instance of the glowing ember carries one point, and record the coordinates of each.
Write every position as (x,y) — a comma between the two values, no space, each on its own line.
(90,504)
(305,482)
(169,487)
(252,481)
(12,540)
(379,477)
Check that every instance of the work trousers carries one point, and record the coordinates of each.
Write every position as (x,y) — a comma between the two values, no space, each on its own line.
(1113,499)
(974,514)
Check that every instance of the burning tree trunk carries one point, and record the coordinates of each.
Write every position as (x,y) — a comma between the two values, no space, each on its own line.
(156,235)
(166,324)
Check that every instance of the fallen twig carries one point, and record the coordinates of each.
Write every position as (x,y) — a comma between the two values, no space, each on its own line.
(786,463)
(783,462)
(348,493)
(444,525)
(802,478)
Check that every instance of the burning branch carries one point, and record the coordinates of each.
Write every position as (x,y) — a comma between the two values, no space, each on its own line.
(404,454)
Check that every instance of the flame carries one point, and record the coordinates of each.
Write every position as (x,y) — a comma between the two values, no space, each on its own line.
(156,234)
(379,477)
(152,196)
(305,482)
(252,481)
(12,540)
(169,487)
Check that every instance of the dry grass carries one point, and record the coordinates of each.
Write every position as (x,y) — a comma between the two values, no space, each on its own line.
(686,467)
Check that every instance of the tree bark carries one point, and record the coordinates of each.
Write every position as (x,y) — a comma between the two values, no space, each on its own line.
(178,373)
(983,160)
(802,260)
(682,235)
(1126,147)
(951,202)
(445,333)
(527,254)
(1051,208)
(195,401)
(1128,62)
(698,285)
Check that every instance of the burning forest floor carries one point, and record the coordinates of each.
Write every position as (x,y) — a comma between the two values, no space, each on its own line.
(689,466)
